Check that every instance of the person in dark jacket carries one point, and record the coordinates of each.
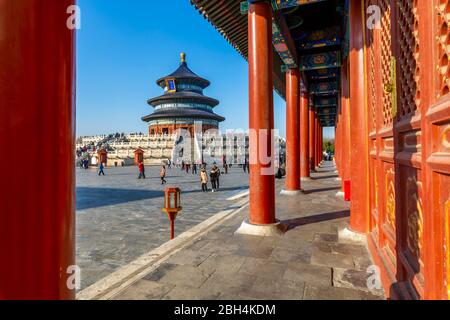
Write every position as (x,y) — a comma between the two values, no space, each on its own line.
(213,175)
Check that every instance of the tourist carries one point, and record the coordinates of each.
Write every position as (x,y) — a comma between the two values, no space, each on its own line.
(169,164)
(204,180)
(194,168)
(225,167)
(217,177)
(162,174)
(101,172)
(188,167)
(182,165)
(141,170)
(213,175)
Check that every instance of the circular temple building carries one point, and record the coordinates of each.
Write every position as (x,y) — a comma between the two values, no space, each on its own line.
(182,103)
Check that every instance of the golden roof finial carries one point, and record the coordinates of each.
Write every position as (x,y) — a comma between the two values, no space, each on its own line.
(183,57)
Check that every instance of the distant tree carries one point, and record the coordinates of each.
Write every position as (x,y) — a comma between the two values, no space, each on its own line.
(328,145)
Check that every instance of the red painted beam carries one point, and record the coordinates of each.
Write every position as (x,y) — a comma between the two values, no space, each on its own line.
(37,126)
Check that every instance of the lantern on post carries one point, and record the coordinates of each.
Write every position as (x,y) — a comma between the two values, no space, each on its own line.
(172,205)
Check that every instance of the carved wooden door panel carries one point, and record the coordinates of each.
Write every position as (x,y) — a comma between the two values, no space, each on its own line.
(437,123)
(408,133)
(381,103)
(409,122)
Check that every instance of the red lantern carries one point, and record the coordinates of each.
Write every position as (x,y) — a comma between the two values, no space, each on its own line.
(172,205)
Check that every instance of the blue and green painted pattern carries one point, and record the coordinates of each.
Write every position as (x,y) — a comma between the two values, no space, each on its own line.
(324,88)
(320,61)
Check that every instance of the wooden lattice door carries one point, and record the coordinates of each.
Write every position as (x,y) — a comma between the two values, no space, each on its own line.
(408,79)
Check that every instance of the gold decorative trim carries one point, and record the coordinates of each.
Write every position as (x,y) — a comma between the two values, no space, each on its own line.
(390,198)
(415,216)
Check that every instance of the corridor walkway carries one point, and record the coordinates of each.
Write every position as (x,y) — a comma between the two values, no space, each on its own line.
(308,262)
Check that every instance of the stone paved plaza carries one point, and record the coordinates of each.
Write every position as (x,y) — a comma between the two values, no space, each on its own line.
(119,217)
(310,261)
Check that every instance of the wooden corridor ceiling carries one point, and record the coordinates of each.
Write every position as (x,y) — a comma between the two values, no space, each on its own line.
(318,30)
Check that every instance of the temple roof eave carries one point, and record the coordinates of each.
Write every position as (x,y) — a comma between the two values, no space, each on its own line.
(195,114)
(203,83)
(183,96)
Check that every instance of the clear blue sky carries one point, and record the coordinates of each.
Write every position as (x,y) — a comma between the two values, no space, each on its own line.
(124,46)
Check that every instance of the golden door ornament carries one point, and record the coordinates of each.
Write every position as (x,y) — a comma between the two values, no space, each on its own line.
(390,198)
(390,88)
(415,216)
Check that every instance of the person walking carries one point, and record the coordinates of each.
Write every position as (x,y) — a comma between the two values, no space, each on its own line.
(245,165)
(162,174)
(204,180)
(101,172)
(194,168)
(141,170)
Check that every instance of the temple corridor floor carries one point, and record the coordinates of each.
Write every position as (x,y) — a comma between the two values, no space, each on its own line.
(119,217)
(308,262)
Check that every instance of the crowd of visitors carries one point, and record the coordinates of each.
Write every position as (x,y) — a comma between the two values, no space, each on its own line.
(206,176)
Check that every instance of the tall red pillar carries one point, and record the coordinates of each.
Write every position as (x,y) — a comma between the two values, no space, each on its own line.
(345,119)
(359,207)
(304,133)
(37,192)
(292,130)
(260,61)
(316,146)
(312,138)
(337,140)
(319,149)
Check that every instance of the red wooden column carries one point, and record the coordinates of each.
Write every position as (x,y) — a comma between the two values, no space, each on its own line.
(304,133)
(316,145)
(292,130)
(345,120)
(320,149)
(260,61)
(340,139)
(37,192)
(359,207)
(312,138)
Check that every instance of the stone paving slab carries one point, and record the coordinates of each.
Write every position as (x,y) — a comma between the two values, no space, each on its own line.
(307,262)
(119,217)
